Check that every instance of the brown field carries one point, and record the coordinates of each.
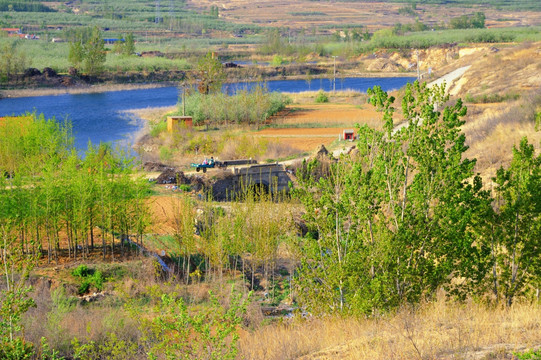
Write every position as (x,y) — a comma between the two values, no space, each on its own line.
(318,124)
(330,114)
(373,15)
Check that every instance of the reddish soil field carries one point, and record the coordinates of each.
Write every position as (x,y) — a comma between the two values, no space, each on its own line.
(309,15)
(323,124)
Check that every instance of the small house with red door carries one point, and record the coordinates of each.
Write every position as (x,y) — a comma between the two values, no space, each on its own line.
(348,134)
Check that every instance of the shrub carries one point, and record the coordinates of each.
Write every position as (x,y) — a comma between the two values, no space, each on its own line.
(185,187)
(157,128)
(529,355)
(90,278)
(81,271)
(321,97)
(277,60)
(165,153)
(246,106)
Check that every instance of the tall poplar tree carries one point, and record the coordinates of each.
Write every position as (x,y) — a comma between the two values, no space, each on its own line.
(396,222)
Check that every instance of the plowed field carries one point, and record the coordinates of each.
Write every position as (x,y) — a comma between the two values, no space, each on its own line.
(318,124)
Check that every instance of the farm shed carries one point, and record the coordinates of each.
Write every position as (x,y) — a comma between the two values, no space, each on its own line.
(175,123)
(348,134)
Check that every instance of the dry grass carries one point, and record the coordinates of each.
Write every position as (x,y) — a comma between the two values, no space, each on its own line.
(86,89)
(439,330)
(492,131)
(374,15)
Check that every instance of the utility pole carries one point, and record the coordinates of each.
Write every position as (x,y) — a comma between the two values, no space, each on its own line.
(184,99)
(334,77)
(418,66)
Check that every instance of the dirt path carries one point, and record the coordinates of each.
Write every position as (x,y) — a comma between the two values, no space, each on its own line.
(449,78)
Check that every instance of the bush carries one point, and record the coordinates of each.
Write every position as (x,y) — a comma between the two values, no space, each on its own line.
(165,153)
(185,187)
(321,97)
(249,106)
(529,355)
(157,128)
(90,278)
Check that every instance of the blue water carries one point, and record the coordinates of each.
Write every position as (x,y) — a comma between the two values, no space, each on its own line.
(103,117)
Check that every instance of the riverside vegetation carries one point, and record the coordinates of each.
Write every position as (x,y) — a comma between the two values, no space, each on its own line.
(177,40)
(398,224)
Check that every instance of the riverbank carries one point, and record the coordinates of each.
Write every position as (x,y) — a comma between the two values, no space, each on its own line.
(83,89)
(100,88)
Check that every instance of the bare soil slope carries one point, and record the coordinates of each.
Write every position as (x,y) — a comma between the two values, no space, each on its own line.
(374,15)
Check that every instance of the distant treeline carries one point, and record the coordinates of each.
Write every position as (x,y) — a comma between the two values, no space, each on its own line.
(26,6)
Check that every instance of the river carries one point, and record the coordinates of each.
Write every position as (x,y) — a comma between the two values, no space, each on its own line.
(104,117)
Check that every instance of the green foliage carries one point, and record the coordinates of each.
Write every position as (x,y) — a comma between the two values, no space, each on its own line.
(89,278)
(210,74)
(82,271)
(24,6)
(50,190)
(88,54)
(185,187)
(76,54)
(408,10)
(537,120)
(47,353)
(15,266)
(129,45)
(165,153)
(94,54)
(475,21)
(514,240)
(528,355)
(307,13)
(17,349)
(157,128)
(404,28)
(111,348)
(321,97)
(275,43)
(426,39)
(214,11)
(175,333)
(252,106)
(277,60)
(12,60)
(378,234)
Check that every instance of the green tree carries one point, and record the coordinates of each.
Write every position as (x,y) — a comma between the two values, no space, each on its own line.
(76,54)
(516,232)
(379,224)
(12,61)
(129,44)
(210,73)
(94,54)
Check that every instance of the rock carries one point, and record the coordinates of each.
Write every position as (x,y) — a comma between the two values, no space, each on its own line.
(67,81)
(155,166)
(152,54)
(322,152)
(30,72)
(73,71)
(228,65)
(170,176)
(49,73)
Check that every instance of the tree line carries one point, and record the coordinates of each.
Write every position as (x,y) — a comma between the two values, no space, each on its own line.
(55,201)
(408,216)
